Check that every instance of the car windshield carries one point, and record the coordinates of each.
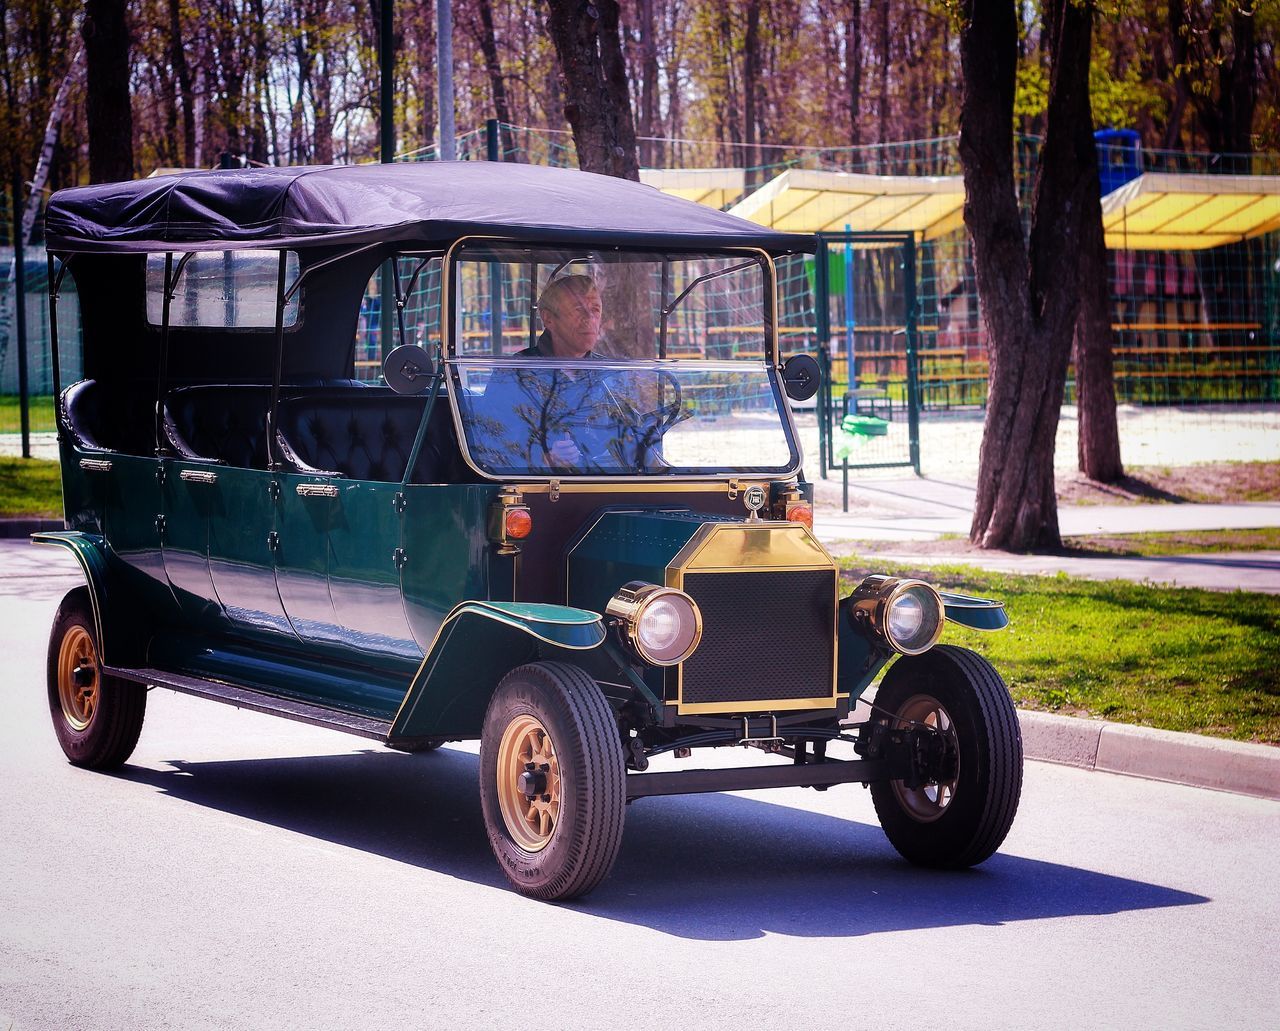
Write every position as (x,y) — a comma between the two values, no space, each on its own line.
(580,362)
(539,416)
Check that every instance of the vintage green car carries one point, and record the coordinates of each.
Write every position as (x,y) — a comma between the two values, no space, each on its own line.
(543,490)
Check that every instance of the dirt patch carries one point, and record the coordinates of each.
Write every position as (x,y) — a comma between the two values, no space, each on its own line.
(1214,482)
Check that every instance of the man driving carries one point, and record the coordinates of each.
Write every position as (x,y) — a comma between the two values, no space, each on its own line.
(570,417)
(571,313)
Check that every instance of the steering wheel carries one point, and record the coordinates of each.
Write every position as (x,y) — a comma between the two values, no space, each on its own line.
(633,432)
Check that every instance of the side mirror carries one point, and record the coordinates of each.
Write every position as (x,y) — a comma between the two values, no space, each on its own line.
(408,369)
(801,375)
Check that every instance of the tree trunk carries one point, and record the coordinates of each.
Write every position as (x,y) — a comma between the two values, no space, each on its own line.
(596,101)
(109,117)
(178,55)
(598,106)
(1028,290)
(882,109)
(489,47)
(750,91)
(648,83)
(426,71)
(853,61)
(1098,439)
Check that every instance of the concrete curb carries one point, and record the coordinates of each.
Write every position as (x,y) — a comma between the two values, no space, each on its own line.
(1204,762)
(24,526)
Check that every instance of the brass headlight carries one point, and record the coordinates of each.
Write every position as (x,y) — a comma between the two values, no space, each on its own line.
(660,624)
(908,614)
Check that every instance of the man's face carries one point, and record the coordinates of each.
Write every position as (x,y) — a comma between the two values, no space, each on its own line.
(573,320)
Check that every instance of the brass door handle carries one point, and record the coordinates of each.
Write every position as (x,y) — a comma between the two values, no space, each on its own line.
(317,490)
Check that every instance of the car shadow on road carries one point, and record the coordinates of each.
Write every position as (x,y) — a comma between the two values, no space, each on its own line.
(710,867)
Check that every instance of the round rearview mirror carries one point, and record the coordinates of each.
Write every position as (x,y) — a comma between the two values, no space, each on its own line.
(408,369)
(800,376)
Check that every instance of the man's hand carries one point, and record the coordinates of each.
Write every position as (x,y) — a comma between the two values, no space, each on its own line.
(564,452)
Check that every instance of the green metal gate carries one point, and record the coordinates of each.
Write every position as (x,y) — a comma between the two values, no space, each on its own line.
(869,402)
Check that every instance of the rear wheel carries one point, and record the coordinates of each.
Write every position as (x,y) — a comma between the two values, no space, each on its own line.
(961,820)
(552,781)
(97,718)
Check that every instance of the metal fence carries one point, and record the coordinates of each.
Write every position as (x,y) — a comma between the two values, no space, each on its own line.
(1196,329)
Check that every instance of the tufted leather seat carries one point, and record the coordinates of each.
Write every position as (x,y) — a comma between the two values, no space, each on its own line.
(227,423)
(110,416)
(219,423)
(366,437)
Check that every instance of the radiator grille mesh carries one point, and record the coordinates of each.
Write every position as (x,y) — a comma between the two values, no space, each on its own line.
(766,635)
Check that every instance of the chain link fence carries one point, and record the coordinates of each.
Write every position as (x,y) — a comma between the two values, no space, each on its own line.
(1195,322)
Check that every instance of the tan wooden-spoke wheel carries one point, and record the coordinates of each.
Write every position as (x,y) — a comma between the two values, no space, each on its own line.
(78,680)
(930,801)
(528,783)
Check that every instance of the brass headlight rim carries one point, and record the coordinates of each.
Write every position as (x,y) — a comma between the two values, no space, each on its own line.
(629,603)
(899,589)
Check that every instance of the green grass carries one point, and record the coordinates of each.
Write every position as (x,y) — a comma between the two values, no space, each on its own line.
(1206,662)
(1152,545)
(29,487)
(40,409)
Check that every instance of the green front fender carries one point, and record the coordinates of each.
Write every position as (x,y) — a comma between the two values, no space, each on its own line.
(90,551)
(478,643)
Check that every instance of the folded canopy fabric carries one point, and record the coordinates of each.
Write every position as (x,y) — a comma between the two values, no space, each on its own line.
(714,187)
(1175,212)
(423,203)
(807,201)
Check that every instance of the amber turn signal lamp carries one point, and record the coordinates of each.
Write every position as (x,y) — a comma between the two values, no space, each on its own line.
(509,522)
(518,523)
(800,512)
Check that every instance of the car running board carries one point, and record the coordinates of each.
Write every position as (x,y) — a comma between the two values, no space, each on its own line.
(258,701)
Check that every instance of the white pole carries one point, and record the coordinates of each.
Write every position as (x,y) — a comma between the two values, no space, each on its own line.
(444,66)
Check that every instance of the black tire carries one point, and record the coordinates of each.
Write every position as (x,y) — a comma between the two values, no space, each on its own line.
(562,854)
(97,721)
(929,827)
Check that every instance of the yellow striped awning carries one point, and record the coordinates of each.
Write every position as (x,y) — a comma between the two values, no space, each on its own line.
(1174,212)
(714,187)
(803,200)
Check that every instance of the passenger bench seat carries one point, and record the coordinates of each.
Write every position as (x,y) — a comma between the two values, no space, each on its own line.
(365,438)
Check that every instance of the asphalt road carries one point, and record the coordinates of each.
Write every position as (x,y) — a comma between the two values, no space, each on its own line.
(248,872)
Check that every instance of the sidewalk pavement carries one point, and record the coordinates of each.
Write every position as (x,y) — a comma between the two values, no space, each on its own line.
(923,509)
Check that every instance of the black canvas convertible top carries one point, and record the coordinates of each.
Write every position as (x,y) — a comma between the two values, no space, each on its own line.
(428,203)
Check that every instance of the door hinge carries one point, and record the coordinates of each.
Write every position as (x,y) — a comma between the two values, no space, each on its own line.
(553,491)
(273,541)
(273,490)
(400,502)
(399,558)
(160,474)
(160,525)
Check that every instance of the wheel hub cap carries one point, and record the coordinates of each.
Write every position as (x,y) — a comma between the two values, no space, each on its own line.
(528,783)
(929,801)
(78,678)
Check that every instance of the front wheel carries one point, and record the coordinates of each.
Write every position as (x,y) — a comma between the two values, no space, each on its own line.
(960,821)
(552,781)
(97,718)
